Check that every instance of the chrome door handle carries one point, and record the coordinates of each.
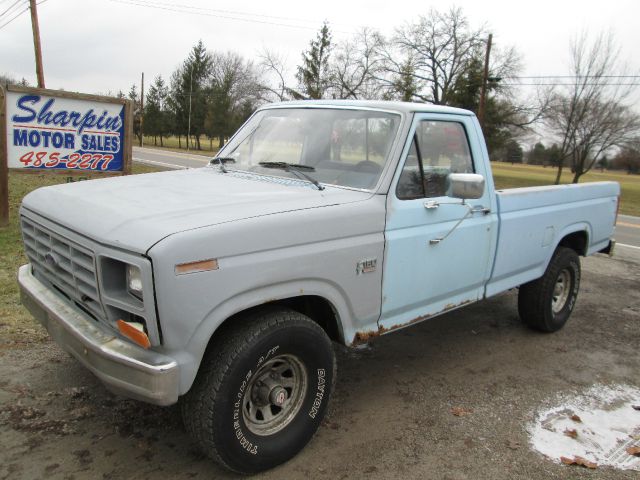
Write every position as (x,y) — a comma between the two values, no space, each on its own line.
(431,204)
(481,209)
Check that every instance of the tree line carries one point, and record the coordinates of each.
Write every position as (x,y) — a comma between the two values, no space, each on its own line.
(626,158)
(438,58)
(209,95)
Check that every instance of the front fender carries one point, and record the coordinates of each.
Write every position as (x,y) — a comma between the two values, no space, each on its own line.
(248,299)
(259,260)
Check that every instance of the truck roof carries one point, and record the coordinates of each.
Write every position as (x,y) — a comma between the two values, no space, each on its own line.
(400,107)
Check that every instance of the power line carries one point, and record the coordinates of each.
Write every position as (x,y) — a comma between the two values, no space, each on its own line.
(573,76)
(12,6)
(175,8)
(566,81)
(569,84)
(229,12)
(178,9)
(19,14)
(11,20)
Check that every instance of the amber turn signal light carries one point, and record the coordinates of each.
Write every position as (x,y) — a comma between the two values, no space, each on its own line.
(194,267)
(135,334)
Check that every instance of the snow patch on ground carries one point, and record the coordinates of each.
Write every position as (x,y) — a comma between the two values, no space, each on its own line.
(604,425)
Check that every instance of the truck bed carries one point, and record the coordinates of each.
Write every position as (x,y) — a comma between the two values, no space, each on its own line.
(533,220)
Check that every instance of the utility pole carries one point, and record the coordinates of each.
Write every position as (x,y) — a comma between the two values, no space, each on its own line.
(36,43)
(190,93)
(485,80)
(141,109)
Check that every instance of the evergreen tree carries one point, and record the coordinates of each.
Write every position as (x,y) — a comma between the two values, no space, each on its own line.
(404,84)
(188,96)
(514,152)
(197,69)
(466,90)
(554,155)
(155,110)
(538,154)
(137,112)
(133,96)
(176,106)
(313,74)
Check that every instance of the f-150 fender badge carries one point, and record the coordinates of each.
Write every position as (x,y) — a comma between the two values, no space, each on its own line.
(366,266)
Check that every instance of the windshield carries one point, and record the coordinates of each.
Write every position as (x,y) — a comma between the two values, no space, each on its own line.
(341,146)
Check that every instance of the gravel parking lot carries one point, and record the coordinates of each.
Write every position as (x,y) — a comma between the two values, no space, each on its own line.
(447,399)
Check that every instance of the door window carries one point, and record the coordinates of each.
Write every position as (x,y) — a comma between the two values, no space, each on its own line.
(438,149)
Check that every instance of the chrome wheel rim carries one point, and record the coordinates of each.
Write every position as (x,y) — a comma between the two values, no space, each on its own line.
(274,395)
(561,291)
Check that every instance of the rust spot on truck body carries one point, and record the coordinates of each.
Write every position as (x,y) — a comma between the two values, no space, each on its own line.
(368,335)
(364,337)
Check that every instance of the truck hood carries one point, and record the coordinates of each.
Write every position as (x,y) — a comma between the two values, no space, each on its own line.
(137,211)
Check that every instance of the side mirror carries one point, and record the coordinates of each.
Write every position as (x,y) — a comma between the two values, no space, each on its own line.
(466,186)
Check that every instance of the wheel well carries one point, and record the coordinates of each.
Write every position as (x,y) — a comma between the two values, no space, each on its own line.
(577,241)
(316,308)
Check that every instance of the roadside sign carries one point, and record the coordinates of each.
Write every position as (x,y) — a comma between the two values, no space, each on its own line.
(53,130)
(45,130)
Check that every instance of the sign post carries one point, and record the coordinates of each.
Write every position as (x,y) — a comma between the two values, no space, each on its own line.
(64,133)
(4,170)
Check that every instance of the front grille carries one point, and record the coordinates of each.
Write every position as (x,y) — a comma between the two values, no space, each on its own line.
(66,265)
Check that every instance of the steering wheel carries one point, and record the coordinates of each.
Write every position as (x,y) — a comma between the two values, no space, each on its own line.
(367,166)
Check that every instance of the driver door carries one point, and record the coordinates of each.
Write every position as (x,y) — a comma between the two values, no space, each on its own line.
(423,277)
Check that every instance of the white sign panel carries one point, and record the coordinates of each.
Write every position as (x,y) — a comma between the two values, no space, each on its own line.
(48,133)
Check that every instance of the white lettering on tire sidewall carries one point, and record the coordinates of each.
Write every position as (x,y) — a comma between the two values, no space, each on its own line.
(237,406)
(321,385)
(575,286)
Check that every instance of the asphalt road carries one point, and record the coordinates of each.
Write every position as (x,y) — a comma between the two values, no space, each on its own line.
(168,159)
(627,229)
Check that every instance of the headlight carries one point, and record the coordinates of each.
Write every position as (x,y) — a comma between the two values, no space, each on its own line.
(134,281)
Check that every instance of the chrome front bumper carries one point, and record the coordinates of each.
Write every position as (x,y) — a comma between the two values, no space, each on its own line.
(123,367)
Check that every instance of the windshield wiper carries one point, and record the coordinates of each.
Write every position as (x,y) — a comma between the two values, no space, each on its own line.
(222,161)
(296,168)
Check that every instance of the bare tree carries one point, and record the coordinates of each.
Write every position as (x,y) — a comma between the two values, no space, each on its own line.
(628,158)
(274,73)
(8,79)
(519,111)
(240,78)
(234,90)
(590,115)
(441,46)
(439,59)
(356,64)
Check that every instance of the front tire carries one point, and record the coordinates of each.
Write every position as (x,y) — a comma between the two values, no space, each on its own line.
(546,304)
(262,390)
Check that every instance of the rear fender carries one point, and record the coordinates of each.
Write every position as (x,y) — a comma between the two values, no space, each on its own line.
(580,227)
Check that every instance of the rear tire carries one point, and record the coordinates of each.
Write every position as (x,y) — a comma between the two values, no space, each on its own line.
(546,304)
(262,390)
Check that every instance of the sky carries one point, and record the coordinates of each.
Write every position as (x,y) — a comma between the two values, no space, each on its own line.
(100,46)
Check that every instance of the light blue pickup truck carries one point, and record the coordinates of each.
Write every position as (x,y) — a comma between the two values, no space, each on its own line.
(223,287)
